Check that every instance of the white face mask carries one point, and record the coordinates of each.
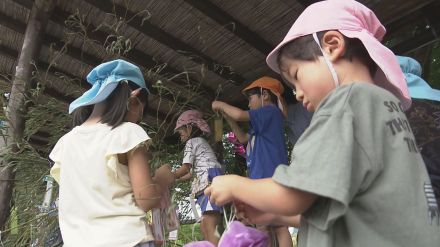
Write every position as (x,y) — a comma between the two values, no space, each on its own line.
(327,61)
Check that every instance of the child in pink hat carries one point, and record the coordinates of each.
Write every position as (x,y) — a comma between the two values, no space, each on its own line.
(356,176)
(199,157)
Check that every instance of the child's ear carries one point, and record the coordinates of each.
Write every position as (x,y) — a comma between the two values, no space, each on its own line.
(265,95)
(135,93)
(333,43)
(134,96)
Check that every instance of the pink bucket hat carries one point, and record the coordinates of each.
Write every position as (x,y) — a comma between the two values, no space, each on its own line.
(192,117)
(353,20)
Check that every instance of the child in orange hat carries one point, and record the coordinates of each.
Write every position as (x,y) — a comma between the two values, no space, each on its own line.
(265,140)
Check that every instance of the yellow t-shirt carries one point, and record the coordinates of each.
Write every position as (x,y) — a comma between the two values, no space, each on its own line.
(96,205)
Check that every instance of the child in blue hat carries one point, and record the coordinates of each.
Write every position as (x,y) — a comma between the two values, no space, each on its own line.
(102,164)
(424,118)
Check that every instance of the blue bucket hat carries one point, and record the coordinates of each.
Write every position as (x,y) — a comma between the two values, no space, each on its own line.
(418,88)
(104,78)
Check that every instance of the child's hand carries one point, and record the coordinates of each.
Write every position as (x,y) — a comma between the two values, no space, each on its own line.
(252,215)
(217,106)
(240,213)
(164,176)
(220,191)
(256,216)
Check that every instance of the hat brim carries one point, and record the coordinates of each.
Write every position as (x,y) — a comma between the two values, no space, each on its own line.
(425,93)
(272,58)
(92,96)
(389,75)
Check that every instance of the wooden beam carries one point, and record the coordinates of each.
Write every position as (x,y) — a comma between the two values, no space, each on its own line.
(149,29)
(306,3)
(423,17)
(137,56)
(424,39)
(60,96)
(410,17)
(48,91)
(404,15)
(49,40)
(71,51)
(230,23)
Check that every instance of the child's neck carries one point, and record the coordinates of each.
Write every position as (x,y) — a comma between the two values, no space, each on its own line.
(353,71)
(267,103)
(95,116)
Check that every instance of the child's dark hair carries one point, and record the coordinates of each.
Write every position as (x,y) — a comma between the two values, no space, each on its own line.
(305,48)
(116,106)
(257,90)
(196,132)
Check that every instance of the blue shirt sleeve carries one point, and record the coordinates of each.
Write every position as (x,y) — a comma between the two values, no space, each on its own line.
(298,119)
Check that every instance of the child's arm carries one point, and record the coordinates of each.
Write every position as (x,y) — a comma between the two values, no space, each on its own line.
(242,136)
(147,190)
(263,194)
(287,220)
(258,217)
(185,177)
(277,220)
(233,114)
(182,172)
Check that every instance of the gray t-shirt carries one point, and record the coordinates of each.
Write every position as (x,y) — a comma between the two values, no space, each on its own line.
(360,157)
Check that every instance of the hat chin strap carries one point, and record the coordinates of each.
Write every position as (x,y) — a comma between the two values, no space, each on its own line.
(280,105)
(327,61)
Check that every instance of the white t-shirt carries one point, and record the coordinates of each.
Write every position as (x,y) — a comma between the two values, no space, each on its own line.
(96,205)
(200,155)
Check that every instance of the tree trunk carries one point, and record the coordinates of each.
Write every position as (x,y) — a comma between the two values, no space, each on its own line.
(16,108)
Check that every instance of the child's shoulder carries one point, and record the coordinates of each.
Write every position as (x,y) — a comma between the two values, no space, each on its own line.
(196,142)
(355,96)
(369,90)
(364,92)
(197,139)
(127,132)
(268,111)
(128,126)
(369,96)
(360,89)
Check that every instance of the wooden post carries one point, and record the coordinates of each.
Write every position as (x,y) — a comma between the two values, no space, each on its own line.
(16,109)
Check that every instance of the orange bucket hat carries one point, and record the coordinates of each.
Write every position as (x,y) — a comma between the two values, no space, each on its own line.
(272,85)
